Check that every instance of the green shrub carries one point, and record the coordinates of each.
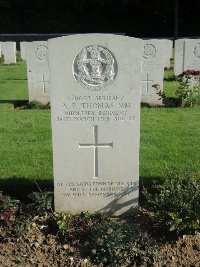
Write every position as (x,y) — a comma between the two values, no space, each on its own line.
(8,209)
(21,226)
(170,78)
(176,202)
(41,201)
(111,243)
(189,90)
(63,220)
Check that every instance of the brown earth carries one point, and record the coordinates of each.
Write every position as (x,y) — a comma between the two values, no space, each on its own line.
(41,248)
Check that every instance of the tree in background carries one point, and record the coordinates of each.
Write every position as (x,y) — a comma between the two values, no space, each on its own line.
(145,18)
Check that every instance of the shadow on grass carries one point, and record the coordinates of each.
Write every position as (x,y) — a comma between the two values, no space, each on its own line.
(20,187)
(16,103)
(168,102)
(172,102)
(15,79)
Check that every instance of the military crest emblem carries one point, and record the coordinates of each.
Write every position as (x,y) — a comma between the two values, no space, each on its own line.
(95,67)
(196,51)
(149,51)
(41,52)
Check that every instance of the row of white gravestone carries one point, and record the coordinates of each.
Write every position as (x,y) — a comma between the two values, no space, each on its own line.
(95,82)
(95,106)
(186,55)
(153,63)
(8,51)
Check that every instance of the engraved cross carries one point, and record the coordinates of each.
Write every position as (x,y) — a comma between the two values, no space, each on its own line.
(43,84)
(147,81)
(95,146)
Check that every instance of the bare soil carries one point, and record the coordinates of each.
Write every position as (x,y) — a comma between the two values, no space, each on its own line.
(41,247)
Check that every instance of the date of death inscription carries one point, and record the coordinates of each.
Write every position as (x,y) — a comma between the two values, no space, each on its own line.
(96,109)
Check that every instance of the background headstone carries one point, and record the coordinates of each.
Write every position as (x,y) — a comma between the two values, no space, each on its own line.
(179,50)
(9,52)
(168,52)
(36,54)
(23,50)
(95,109)
(192,54)
(153,60)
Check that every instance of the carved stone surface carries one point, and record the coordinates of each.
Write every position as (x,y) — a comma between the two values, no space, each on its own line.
(41,52)
(152,71)
(192,54)
(167,52)
(179,51)
(23,50)
(149,51)
(95,67)
(36,54)
(9,52)
(196,50)
(95,114)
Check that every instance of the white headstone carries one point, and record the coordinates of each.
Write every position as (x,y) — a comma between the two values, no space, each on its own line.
(168,52)
(9,52)
(192,55)
(179,50)
(38,71)
(95,109)
(0,50)
(23,50)
(152,71)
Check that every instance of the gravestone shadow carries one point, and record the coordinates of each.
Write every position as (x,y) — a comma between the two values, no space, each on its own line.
(15,103)
(20,187)
(117,204)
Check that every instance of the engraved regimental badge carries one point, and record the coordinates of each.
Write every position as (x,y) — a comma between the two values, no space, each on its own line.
(95,67)
(196,51)
(149,51)
(41,52)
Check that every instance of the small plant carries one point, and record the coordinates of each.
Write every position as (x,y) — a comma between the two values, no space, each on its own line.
(159,92)
(8,209)
(189,90)
(176,202)
(21,260)
(37,105)
(21,227)
(111,242)
(170,78)
(42,201)
(63,220)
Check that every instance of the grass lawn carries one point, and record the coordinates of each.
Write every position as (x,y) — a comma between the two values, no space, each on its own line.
(169,137)
(13,82)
